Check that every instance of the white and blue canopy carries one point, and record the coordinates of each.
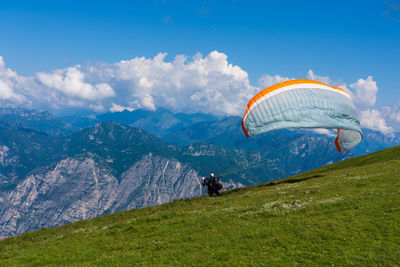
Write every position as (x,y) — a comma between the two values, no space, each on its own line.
(304,104)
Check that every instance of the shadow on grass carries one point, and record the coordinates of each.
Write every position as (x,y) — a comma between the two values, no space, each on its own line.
(292,181)
(277,182)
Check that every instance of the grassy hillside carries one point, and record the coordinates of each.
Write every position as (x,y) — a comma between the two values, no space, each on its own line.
(346,213)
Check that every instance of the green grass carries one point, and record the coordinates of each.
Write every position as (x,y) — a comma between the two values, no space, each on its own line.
(342,214)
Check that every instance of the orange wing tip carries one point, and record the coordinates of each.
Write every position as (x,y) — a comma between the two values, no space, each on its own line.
(244,130)
(337,142)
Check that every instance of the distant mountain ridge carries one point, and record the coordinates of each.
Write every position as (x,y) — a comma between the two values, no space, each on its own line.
(158,123)
(177,128)
(40,121)
(53,172)
(47,181)
(346,213)
(296,150)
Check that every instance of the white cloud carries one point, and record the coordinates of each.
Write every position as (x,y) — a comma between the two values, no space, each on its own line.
(70,81)
(207,84)
(266,80)
(365,92)
(395,114)
(8,81)
(200,84)
(392,115)
(118,108)
(372,119)
(324,79)
(6,93)
(323,131)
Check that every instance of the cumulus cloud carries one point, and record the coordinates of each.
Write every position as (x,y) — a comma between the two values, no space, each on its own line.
(201,84)
(324,79)
(372,119)
(266,80)
(207,84)
(118,108)
(392,115)
(6,93)
(323,131)
(365,92)
(8,83)
(70,81)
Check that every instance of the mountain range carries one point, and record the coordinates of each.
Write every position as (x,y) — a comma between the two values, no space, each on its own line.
(343,214)
(55,171)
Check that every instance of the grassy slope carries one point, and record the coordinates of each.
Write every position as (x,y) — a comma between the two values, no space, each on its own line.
(341,214)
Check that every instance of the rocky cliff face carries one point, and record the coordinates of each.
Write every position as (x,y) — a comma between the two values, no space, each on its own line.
(79,188)
(47,180)
(105,169)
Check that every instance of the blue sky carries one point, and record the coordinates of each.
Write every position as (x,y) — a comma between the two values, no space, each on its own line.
(344,40)
(341,39)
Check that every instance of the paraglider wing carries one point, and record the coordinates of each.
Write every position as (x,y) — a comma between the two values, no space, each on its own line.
(304,104)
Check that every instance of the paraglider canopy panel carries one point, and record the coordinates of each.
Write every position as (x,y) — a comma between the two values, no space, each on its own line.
(304,104)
